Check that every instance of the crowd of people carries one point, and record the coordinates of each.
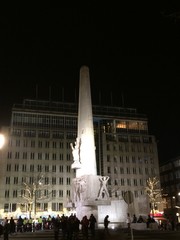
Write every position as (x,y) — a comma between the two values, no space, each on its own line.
(69,225)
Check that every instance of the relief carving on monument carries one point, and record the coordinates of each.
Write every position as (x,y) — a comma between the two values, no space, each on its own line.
(103,191)
(79,185)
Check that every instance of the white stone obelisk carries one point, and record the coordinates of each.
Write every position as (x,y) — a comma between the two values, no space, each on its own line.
(87,156)
(89,190)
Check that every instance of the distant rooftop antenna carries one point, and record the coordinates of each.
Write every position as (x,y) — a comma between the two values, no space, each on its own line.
(62,94)
(122,96)
(99,98)
(49,93)
(111,99)
(36,91)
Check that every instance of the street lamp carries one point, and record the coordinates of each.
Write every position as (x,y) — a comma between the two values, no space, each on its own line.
(2,140)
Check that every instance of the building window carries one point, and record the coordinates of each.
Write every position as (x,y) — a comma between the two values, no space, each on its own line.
(7,180)
(60,193)
(39,144)
(6,193)
(46,144)
(31,168)
(33,144)
(24,155)
(45,206)
(53,180)
(32,156)
(54,156)
(60,168)
(128,170)
(46,180)
(61,145)
(39,168)
(6,207)
(68,157)
(47,168)
(68,169)
(17,143)
(46,156)
(129,182)
(39,156)
(14,207)
(68,181)
(54,144)
(14,193)
(61,181)
(17,155)
(15,180)
(53,193)
(9,155)
(135,182)
(68,193)
(122,170)
(16,167)
(54,168)
(122,182)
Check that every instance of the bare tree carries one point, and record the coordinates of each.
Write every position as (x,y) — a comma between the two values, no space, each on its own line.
(154,192)
(33,193)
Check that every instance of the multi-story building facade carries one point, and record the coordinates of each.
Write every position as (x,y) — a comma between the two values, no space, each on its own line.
(37,155)
(170,183)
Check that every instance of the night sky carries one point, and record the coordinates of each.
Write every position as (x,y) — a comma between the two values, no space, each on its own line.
(133,55)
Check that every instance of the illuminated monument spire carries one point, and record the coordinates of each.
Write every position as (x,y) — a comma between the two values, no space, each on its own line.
(89,190)
(85,127)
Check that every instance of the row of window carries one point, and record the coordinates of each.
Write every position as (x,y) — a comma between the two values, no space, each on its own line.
(126,138)
(42,120)
(38,144)
(128,159)
(40,207)
(128,170)
(39,156)
(46,180)
(38,168)
(52,194)
(132,148)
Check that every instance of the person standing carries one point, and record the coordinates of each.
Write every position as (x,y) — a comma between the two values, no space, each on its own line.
(84,228)
(106,223)
(128,221)
(6,230)
(92,224)
(12,226)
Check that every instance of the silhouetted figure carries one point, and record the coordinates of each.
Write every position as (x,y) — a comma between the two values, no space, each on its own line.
(134,219)
(6,230)
(140,219)
(85,225)
(12,225)
(106,224)
(56,226)
(128,221)
(92,224)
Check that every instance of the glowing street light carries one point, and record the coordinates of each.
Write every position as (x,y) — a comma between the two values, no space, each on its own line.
(2,140)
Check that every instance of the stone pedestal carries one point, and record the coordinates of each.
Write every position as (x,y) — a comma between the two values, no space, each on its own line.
(89,192)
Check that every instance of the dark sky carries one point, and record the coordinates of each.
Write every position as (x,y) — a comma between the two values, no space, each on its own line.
(131,52)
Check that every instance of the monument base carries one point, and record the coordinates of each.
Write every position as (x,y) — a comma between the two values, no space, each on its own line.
(89,192)
(82,211)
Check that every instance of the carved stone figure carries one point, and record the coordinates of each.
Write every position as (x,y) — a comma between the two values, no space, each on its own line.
(103,187)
